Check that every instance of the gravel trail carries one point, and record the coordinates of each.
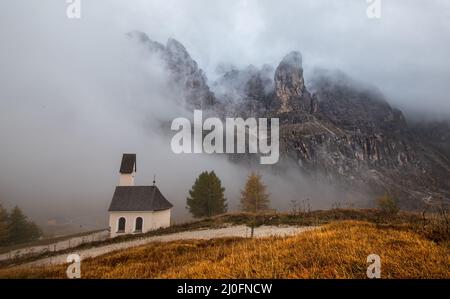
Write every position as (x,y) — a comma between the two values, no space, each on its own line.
(204,234)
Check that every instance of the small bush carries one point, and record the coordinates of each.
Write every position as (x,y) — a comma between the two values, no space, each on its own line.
(388,205)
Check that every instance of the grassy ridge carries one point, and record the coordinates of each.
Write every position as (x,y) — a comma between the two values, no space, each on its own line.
(319,217)
(338,250)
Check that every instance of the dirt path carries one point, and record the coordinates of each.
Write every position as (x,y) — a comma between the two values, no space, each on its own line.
(231,231)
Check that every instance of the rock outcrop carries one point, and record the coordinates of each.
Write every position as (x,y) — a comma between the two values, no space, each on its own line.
(289,83)
(183,70)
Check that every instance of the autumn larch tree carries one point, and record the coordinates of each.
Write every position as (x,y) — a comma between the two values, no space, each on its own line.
(254,197)
(206,198)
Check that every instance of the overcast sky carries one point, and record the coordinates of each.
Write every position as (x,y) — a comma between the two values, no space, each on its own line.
(74,94)
(405,52)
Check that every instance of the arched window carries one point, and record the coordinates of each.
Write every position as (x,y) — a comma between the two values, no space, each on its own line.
(139,222)
(121,228)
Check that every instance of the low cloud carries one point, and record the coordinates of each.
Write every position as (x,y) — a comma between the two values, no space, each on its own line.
(76,94)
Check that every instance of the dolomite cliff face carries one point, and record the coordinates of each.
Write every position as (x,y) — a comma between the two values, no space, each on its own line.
(289,84)
(184,71)
(350,133)
(332,126)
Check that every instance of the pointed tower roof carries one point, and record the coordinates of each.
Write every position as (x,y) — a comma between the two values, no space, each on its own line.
(128,164)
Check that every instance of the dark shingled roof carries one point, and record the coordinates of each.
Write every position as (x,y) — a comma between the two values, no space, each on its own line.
(128,163)
(138,198)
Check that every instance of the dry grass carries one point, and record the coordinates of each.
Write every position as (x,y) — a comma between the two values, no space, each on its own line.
(339,250)
(410,221)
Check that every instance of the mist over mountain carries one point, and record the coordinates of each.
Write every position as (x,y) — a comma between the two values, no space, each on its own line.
(344,131)
(363,103)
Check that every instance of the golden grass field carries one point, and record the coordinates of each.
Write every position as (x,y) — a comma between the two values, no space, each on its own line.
(337,250)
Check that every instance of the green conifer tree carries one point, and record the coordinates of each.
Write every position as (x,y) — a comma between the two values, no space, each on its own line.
(20,229)
(206,198)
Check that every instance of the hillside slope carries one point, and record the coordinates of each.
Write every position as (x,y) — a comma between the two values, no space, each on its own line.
(339,250)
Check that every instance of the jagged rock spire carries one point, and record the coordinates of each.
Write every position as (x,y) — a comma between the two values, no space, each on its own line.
(289,82)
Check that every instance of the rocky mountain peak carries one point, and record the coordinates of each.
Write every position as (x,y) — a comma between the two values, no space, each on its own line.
(177,49)
(141,37)
(293,59)
(354,105)
(183,70)
(138,35)
(346,131)
(243,84)
(289,82)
